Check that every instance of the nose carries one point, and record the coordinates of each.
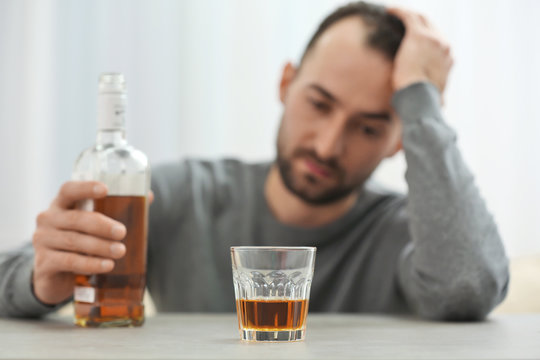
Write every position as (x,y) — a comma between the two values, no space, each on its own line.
(330,139)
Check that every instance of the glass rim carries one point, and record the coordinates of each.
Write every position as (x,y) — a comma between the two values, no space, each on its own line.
(286,248)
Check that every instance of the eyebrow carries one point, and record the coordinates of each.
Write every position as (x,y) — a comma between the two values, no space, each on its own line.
(385,116)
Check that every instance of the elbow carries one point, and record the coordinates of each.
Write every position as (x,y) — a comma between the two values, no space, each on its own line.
(469,299)
(463,303)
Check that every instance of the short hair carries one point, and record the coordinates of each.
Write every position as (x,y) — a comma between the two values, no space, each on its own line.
(385,30)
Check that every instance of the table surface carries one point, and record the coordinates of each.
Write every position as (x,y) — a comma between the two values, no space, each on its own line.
(329,336)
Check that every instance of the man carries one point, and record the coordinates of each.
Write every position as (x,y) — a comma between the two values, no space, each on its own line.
(369,84)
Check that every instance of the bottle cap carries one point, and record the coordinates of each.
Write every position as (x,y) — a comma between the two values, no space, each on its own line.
(112,83)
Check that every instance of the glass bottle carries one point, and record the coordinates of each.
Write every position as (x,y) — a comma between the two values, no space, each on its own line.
(115,298)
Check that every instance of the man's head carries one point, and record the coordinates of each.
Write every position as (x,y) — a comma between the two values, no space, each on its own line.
(337,124)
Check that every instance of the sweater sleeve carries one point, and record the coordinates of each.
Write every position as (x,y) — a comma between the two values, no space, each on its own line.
(17,298)
(455,267)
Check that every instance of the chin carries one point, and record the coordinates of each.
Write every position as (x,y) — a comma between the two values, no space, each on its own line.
(308,188)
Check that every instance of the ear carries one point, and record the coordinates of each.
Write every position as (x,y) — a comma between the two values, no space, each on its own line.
(289,72)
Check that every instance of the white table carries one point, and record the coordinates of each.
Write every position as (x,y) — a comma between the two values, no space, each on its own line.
(206,336)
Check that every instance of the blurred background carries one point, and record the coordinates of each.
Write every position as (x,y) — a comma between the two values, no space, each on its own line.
(202,79)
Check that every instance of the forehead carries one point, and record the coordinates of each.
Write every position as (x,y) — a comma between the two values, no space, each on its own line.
(341,62)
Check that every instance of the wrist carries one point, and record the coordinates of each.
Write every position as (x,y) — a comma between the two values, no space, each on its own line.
(24,301)
(406,81)
(416,101)
(36,296)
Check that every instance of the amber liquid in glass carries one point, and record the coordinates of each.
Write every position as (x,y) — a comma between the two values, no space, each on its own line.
(116,298)
(272,315)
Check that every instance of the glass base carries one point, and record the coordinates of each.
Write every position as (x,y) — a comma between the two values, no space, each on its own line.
(277,336)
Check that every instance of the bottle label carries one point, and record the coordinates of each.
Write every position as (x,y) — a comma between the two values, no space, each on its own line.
(111,111)
(84,294)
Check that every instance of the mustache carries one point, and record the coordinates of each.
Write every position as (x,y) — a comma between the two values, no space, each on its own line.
(331,164)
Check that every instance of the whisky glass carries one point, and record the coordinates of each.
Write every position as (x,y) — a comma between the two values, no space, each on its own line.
(272,286)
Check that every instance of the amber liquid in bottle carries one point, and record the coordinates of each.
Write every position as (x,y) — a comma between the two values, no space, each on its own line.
(116,298)
(272,315)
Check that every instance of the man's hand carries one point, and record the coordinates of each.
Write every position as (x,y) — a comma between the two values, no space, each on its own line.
(70,241)
(423,54)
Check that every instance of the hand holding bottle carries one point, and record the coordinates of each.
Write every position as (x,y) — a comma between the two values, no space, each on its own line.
(68,241)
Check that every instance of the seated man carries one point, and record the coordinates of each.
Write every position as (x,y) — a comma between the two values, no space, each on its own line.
(369,84)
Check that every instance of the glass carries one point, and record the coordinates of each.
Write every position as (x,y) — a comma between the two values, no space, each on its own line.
(272,286)
(115,298)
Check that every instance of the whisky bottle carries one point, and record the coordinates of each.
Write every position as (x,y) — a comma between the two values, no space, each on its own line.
(115,298)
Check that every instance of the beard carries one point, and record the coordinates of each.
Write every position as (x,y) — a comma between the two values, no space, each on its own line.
(308,187)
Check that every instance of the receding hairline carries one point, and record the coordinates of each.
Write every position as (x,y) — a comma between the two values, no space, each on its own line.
(385,31)
(362,38)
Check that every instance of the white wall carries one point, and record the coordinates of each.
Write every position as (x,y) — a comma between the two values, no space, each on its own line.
(202,79)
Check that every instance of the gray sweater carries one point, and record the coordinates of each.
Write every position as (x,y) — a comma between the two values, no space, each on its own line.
(436,252)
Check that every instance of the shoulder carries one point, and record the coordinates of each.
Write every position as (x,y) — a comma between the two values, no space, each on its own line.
(206,174)
(213,182)
(200,169)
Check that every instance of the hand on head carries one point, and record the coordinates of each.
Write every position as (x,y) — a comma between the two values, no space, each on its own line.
(424,55)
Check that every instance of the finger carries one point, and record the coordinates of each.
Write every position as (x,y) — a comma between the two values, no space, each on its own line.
(151,197)
(72,241)
(73,191)
(60,261)
(410,18)
(88,222)
(406,16)
(423,20)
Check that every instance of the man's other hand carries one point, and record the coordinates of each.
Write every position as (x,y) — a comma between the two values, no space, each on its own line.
(423,55)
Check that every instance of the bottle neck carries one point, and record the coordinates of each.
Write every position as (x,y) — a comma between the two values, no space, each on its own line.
(111,137)
(111,111)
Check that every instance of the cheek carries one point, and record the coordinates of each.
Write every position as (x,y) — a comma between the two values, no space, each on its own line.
(295,126)
(393,140)
(374,150)
(363,156)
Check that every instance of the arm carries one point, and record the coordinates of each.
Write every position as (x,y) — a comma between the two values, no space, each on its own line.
(455,267)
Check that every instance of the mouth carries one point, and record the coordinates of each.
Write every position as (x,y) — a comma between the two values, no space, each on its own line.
(317,169)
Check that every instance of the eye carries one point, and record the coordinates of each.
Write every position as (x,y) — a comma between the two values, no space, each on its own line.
(320,106)
(370,131)
(366,130)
